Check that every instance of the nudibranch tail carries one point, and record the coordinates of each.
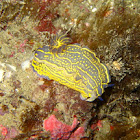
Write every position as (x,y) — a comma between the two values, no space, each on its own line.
(74,66)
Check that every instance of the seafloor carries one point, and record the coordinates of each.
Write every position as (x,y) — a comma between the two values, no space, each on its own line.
(33,108)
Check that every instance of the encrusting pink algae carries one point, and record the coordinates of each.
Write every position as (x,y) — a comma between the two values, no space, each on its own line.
(62,131)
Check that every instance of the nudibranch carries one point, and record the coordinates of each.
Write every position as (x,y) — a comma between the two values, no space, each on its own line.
(76,67)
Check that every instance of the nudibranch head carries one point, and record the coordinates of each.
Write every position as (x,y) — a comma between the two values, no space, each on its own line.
(77,67)
(59,42)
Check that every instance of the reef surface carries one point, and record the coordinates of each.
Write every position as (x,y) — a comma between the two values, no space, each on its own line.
(29,103)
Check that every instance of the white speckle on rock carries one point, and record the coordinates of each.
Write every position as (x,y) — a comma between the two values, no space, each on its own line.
(40,82)
(8,74)
(25,65)
(13,68)
(94,9)
(1,75)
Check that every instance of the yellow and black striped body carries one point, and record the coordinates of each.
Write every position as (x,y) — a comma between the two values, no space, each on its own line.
(76,67)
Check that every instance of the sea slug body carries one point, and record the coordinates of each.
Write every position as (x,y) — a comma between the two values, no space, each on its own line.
(74,66)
